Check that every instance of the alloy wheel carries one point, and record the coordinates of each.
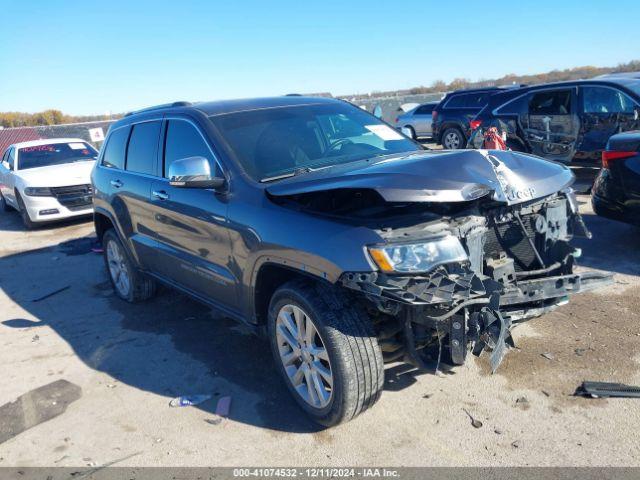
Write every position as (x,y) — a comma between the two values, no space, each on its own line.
(118,268)
(452,141)
(304,356)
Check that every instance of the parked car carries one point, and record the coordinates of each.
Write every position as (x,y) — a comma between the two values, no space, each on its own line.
(569,122)
(616,191)
(341,240)
(417,121)
(452,115)
(47,180)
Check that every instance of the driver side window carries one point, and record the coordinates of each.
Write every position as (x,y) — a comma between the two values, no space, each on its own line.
(10,157)
(182,140)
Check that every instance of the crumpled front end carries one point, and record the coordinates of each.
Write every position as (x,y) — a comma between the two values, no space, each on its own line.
(519,264)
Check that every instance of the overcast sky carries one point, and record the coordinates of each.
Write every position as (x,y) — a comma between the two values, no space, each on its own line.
(93,57)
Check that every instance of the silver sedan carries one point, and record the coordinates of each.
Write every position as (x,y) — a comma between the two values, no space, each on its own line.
(417,120)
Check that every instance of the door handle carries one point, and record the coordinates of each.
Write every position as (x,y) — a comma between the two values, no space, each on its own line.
(116,183)
(160,194)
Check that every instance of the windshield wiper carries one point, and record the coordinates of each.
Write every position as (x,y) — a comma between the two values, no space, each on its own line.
(296,172)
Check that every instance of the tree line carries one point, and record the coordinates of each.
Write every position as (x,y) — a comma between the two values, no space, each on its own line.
(553,76)
(56,117)
(47,117)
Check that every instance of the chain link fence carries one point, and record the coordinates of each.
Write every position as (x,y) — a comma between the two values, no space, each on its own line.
(92,132)
(391,105)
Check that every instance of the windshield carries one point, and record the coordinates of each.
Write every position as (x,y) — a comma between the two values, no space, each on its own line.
(55,154)
(278,141)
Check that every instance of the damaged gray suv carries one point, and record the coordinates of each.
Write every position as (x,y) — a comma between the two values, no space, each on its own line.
(344,242)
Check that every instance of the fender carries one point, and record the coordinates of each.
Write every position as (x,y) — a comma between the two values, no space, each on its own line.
(118,229)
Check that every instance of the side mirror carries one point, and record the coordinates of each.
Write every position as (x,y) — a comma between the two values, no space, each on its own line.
(193,172)
(406,132)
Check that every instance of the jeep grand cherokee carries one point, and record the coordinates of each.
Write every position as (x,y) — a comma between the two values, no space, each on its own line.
(341,240)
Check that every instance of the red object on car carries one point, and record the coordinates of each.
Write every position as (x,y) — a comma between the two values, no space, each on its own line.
(493,140)
(608,157)
(475,124)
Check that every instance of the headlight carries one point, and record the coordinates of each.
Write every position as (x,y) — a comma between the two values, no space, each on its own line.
(418,257)
(38,192)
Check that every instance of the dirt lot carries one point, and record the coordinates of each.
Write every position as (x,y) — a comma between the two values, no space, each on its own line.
(129,361)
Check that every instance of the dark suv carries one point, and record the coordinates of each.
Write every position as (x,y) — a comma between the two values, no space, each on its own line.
(342,241)
(452,115)
(565,121)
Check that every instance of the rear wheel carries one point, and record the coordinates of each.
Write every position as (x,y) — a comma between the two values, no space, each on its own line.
(128,283)
(452,139)
(26,219)
(326,351)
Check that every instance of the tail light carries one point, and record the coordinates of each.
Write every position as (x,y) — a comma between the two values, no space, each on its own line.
(475,124)
(608,157)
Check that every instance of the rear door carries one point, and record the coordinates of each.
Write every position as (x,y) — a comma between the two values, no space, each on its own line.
(421,120)
(551,125)
(191,223)
(604,111)
(130,183)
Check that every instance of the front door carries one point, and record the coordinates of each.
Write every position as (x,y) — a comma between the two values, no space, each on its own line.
(421,120)
(191,223)
(605,111)
(551,125)
(7,178)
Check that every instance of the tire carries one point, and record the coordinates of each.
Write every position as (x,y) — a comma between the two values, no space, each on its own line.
(22,209)
(135,287)
(452,138)
(413,132)
(4,205)
(351,352)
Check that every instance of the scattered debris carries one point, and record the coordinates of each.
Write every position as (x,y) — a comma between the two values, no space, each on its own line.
(51,294)
(189,400)
(548,356)
(474,421)
(35,338)
(427,395)
(522,400)
(61,459)
(580,351)
(158,440)
(516,444)
(497,431)
(111,385)
(213,421)
(35,407)
(223,407)
(545,393)
(607,389)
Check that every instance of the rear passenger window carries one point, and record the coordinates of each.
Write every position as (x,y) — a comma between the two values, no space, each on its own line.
(423,110)
(143,148)
(183,141)
(113,156)
(476,100)
(457,101)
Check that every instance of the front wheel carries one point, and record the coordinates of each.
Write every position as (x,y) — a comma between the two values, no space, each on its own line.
(452,139)
(4,205)
(26,219)
(326,351)
(128,283)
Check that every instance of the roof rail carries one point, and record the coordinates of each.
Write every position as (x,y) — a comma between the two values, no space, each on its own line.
(159,107)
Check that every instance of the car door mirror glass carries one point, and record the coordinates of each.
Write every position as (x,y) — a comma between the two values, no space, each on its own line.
(377,111)
(193,172)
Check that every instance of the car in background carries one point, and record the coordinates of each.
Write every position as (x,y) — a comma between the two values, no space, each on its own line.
(47,180)
(417,121)
(568,122)
(616,191)
(452,115)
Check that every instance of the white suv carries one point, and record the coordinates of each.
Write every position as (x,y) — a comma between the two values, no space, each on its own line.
(47,180)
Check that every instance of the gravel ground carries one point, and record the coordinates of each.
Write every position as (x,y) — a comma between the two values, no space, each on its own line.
(130,360)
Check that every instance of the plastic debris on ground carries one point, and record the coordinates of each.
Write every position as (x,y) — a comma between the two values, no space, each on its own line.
(189,400)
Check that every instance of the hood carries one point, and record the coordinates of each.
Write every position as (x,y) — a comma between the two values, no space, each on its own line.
(449,176)
(58,175)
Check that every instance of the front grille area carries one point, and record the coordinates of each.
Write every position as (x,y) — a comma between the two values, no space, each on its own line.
(509,238)
(74,197)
